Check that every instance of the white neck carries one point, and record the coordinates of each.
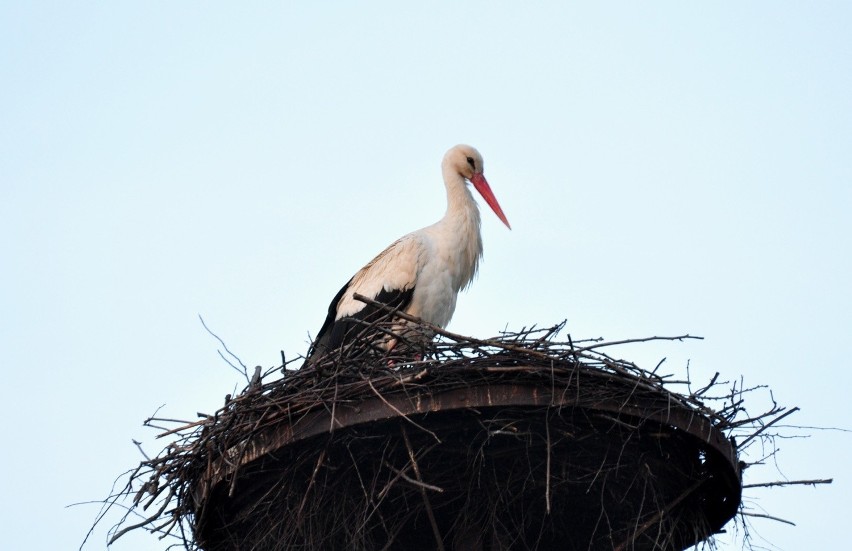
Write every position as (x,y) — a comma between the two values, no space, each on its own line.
(459,229)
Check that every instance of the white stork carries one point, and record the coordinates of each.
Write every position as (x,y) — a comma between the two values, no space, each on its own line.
(422,272)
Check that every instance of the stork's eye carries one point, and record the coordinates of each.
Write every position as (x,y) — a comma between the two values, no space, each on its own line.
(471,163)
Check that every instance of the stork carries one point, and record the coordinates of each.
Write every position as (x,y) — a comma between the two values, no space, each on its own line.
(422,272)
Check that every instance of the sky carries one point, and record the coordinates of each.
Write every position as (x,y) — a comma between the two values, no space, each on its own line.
(667,168)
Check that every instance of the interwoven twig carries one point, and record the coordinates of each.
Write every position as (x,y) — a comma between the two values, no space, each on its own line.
(362,370)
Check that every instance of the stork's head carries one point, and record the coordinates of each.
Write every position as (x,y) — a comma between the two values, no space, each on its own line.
(467,162)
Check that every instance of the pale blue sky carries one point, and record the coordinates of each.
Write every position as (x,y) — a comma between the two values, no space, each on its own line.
(667,167)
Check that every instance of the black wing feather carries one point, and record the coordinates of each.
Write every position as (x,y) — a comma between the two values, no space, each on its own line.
(334,332)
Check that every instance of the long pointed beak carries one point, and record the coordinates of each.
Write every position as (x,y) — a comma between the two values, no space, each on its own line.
(481,185)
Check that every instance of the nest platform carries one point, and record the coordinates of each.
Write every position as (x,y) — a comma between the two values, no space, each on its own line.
(486,463)
(520,442)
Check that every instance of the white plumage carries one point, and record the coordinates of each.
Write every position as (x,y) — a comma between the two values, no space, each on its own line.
(422,272)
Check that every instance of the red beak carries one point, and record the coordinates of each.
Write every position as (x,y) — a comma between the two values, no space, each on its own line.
(481,185)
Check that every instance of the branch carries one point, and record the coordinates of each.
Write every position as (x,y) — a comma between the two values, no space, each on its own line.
(244,370)
(766,426)
(790,483)
(770,517)
(439,540)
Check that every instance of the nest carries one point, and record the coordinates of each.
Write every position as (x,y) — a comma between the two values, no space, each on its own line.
(523,441)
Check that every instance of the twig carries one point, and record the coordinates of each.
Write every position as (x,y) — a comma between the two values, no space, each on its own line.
(418,483)
(320,460)
(139,447)
(439,540)
(244,370)
(633,341)
(766,426)
(145,522)
(708,387)
(770,517)
(790,483)
(547,465)
(658,515)
(401,414)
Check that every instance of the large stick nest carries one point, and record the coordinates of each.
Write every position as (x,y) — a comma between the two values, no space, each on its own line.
(522,441)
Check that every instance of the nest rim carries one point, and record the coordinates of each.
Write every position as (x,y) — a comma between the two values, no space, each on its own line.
(482,395)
